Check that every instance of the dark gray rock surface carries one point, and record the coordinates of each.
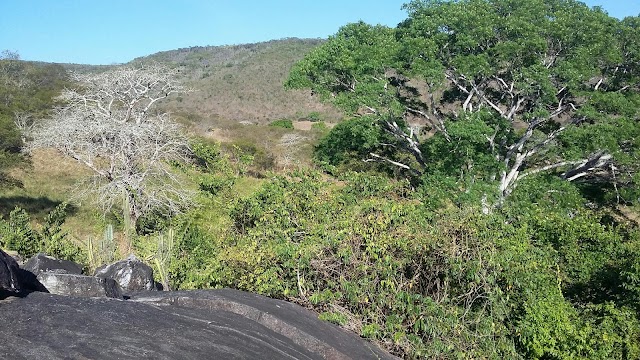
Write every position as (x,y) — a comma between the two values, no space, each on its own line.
(15,281)
(212,324)
(41,262)
(79,285)
(131,274)
(9,275)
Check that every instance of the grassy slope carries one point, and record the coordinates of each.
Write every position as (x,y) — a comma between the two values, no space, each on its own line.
(243,83)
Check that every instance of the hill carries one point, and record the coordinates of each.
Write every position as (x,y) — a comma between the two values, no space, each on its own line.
(242,83)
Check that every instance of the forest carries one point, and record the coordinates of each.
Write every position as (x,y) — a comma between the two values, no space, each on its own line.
(468,188)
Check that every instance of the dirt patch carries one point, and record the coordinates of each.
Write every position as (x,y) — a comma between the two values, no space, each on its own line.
(302,125)
(630,214)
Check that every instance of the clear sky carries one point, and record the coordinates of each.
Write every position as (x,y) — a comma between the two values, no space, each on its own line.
(117,31)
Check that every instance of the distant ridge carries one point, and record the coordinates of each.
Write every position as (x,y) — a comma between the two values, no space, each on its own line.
(243,82)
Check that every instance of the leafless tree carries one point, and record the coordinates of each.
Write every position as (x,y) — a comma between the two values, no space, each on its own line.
(109,124)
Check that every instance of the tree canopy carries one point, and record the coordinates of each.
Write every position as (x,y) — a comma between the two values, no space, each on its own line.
(490,92)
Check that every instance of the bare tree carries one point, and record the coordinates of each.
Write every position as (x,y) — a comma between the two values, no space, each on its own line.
(290,143)
(108,125)
(24,122)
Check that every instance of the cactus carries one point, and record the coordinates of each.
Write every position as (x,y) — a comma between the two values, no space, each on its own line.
(102,251)
(163,255)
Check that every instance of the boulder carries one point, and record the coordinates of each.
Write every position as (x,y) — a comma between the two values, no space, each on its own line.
(15,281)
(79,285)
(9,276)
(16,256)
(43,263)
(204,324)
(131,274)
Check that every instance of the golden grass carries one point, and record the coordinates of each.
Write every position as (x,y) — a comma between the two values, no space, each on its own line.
(50,180)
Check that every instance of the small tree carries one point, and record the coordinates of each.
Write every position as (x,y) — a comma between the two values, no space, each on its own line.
(109,125)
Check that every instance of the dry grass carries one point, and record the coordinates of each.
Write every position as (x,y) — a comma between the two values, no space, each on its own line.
(244,82)
(304,125)
(49,181)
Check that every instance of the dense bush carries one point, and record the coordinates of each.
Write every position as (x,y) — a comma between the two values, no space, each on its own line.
(19,235)
(368,255)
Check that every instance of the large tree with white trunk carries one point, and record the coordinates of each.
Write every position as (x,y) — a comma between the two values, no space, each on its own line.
(491,91)
(110,124)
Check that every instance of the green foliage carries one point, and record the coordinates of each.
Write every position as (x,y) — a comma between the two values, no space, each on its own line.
(509,89)
(530,281)
(215,169)
(19,235)
(348,143)
(282,123)
(158,250)
(332,69)
(101,251)
(314,116)
(10,144)
(245,156)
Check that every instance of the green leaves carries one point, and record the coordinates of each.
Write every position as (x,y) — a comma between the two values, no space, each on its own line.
(551,69)
(19,235)
(349,68)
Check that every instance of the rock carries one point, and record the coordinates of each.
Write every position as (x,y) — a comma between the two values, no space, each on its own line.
(15,281)
(79,285)
(131,274)
(205,324)
(43,263)
(16,256)
(9,276)
(301,326)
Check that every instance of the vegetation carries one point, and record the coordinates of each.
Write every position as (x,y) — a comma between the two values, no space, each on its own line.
(109,126)
(242,83)
(19,235)
(26,93)
(480,202)
(489,93)
(368,255)
(283,123)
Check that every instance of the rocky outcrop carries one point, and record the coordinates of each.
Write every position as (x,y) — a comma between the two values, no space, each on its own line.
(80,285)
(207,324)
(42,263)
(94,321)
(131,274)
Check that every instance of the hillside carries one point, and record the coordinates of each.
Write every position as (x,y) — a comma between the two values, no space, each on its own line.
(242,83)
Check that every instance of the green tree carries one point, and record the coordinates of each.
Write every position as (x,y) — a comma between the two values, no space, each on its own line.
(496,90)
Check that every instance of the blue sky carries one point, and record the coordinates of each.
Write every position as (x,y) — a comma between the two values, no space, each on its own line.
(117,31)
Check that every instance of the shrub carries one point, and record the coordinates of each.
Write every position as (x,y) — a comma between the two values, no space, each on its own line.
(282,123)
(17,234)
(367,254)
